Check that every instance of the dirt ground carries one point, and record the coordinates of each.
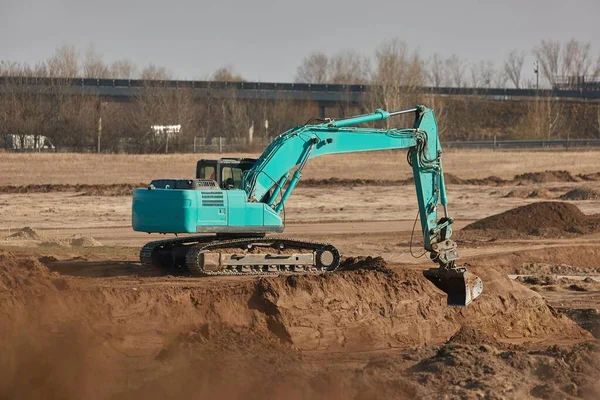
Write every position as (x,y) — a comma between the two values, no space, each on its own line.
(83,319)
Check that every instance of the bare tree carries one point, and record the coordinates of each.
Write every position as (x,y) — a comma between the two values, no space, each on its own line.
(500,79)
(155,73)
(27,113)
(348,67)
(313,69)
(437,72)
(456,71)
(64,63)
(93,64)
(576,58)
(482,74)
(227,74)
(548,56)
(123,69)
(596,69)
(513,67)
(398,75)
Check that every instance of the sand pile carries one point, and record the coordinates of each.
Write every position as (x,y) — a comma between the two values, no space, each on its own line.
(530,194)
(83,241)
(472,336)
(517,193)
(26,233)
(570,259)
(15,271)
(541,194)
(581,193)
(115,189)
(590,177)
(539,219)
(469,372)
(546,176)
(73,241)
(224,338)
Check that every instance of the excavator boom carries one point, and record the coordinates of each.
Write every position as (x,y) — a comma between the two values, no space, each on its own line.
(254,204)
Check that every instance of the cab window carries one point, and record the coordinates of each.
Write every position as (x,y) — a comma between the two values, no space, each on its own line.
(231,177)
(207,172)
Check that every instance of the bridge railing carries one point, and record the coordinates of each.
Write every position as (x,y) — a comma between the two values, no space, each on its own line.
(500,93)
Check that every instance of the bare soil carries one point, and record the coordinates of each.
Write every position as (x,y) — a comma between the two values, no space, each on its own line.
(69,337)
(125,189)
(581,193)
(546,218)
(81,318)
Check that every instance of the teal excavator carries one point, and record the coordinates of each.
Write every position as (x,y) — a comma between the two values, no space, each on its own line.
(236,202)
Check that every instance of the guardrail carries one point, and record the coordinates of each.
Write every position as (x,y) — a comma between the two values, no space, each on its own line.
(127,87)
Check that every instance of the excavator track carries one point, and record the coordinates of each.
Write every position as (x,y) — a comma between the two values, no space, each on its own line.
(210,256)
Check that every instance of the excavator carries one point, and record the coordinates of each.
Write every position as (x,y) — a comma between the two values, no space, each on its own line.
(234,203)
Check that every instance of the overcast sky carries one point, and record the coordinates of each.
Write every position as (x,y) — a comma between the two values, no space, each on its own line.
(266,40)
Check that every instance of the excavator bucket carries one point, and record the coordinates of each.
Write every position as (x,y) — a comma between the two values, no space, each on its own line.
(461,286)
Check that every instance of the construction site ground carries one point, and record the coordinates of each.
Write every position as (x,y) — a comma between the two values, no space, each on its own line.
(82,319)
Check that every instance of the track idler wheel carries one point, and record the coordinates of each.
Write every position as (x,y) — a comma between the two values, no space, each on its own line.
(461,286)
(328,258)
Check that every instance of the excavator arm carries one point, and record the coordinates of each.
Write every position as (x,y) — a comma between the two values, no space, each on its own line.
(271,180)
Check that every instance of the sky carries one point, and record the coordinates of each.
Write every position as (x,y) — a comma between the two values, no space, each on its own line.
(266,40)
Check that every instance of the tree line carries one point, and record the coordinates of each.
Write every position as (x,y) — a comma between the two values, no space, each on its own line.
(91,123)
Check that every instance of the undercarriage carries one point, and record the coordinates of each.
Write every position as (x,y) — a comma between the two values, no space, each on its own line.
(215,255)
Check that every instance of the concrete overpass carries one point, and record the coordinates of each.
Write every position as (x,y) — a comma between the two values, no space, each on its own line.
(322,94)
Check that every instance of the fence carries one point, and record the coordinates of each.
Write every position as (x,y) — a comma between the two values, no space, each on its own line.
(259,146)
(550,144)
(555,144)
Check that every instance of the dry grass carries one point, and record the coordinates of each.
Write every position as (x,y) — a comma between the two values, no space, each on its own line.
(23,169)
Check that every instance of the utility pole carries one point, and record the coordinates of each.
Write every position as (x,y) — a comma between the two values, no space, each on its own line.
(99,132)
(101,106)
(266,140)
(536,71)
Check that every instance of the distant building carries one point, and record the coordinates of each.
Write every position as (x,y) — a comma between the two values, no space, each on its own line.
(27,142)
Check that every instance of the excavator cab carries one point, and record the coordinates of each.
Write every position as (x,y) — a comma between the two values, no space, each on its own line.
(227,172)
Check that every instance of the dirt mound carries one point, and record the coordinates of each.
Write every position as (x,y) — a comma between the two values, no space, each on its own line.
(337,182)
(26,233)
(540,219)
(470,372)
(590,177)
(116,189)
(451,179)
(563,260)
(587,318)
(541,194)
(472,336)
(546,176)
(541,280)
(364,263)
(83,241)
(517,193)
(530,194)
(581,193)
(224,338)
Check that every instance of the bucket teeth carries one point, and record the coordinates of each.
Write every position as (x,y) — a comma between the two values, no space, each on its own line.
(461,286)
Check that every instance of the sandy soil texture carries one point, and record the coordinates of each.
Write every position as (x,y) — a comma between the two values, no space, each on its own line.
(26,169)
(130,337)
(83,319)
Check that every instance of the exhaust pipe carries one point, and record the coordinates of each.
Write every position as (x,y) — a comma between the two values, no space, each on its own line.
(461,286)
